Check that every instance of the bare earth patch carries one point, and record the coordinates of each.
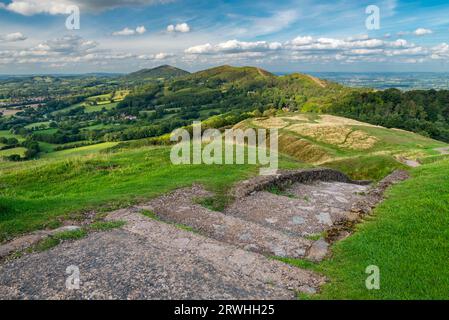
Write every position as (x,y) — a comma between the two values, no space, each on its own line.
(270,123)
(9,112)
(344,137)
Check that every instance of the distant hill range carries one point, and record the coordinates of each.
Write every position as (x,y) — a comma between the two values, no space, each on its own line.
(161,72)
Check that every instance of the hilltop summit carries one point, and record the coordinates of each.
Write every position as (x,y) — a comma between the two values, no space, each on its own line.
(164,71)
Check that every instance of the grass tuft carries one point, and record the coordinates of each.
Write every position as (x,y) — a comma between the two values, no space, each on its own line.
(105,226)
(56,239)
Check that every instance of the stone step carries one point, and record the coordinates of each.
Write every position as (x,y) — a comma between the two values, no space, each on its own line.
(178,207)
(302,209)
(148,259)
(277,280)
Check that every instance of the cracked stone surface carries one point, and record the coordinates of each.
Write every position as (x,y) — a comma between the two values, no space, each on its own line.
(315,208)
(178,207)
(147,259)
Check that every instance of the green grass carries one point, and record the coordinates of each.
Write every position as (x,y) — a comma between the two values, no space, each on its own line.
(49,131)
(100,107)
(81,151)
(36,192)
(392,139)
(217,202)
(38,125)
(56,239)
(300,263)
(20,151)
(65,110)
(7,134)
(106,225)
(318,150)
(407,238)
(46,147)
(154,216)
(280,192)
(150,214)
(370,167)
(101,126)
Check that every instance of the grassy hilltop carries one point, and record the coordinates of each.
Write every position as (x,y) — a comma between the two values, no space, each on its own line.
(360,149)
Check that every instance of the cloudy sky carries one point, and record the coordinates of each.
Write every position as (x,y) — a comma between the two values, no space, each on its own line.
(281,35)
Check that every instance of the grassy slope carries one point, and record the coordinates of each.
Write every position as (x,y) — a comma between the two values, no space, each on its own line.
(373,163)
(407,238)
(20,151)
(98,108)
(7,134)
(34,194)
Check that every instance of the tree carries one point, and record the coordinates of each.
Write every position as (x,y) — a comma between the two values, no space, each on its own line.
(12,141)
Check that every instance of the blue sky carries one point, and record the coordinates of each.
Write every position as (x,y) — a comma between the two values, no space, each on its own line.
(293,35)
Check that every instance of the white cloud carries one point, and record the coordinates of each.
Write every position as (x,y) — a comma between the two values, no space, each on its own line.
(440,51)
(74,52)
(157,56)
(124,32)
(13,37)
(54,7)
(399,43)
(141,30)
(317,50)
(422,32)
(130,32)
(235,46)
(180,27)
(301,41)
(200,49)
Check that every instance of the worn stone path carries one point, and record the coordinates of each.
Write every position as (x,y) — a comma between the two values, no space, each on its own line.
(179,207)
(148,259)
(222,255)
(313,209)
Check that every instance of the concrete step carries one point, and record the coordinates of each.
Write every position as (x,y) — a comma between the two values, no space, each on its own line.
(277,280)
(303,209)
(179,207)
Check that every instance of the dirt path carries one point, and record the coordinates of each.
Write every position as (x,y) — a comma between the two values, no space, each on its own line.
(444,150)
(261,73)
(414,163)
(317,81)
(196,253)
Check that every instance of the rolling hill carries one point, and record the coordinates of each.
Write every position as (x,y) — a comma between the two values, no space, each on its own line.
(161,72)
(362,150)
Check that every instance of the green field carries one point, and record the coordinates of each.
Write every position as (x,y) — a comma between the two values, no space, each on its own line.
(7,134)
(81,151)
(47,131)
(38,125)
(119,95)
(20,151)
(65,110)
(100,107)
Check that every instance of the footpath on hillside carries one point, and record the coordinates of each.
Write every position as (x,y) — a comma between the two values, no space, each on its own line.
(174,248)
